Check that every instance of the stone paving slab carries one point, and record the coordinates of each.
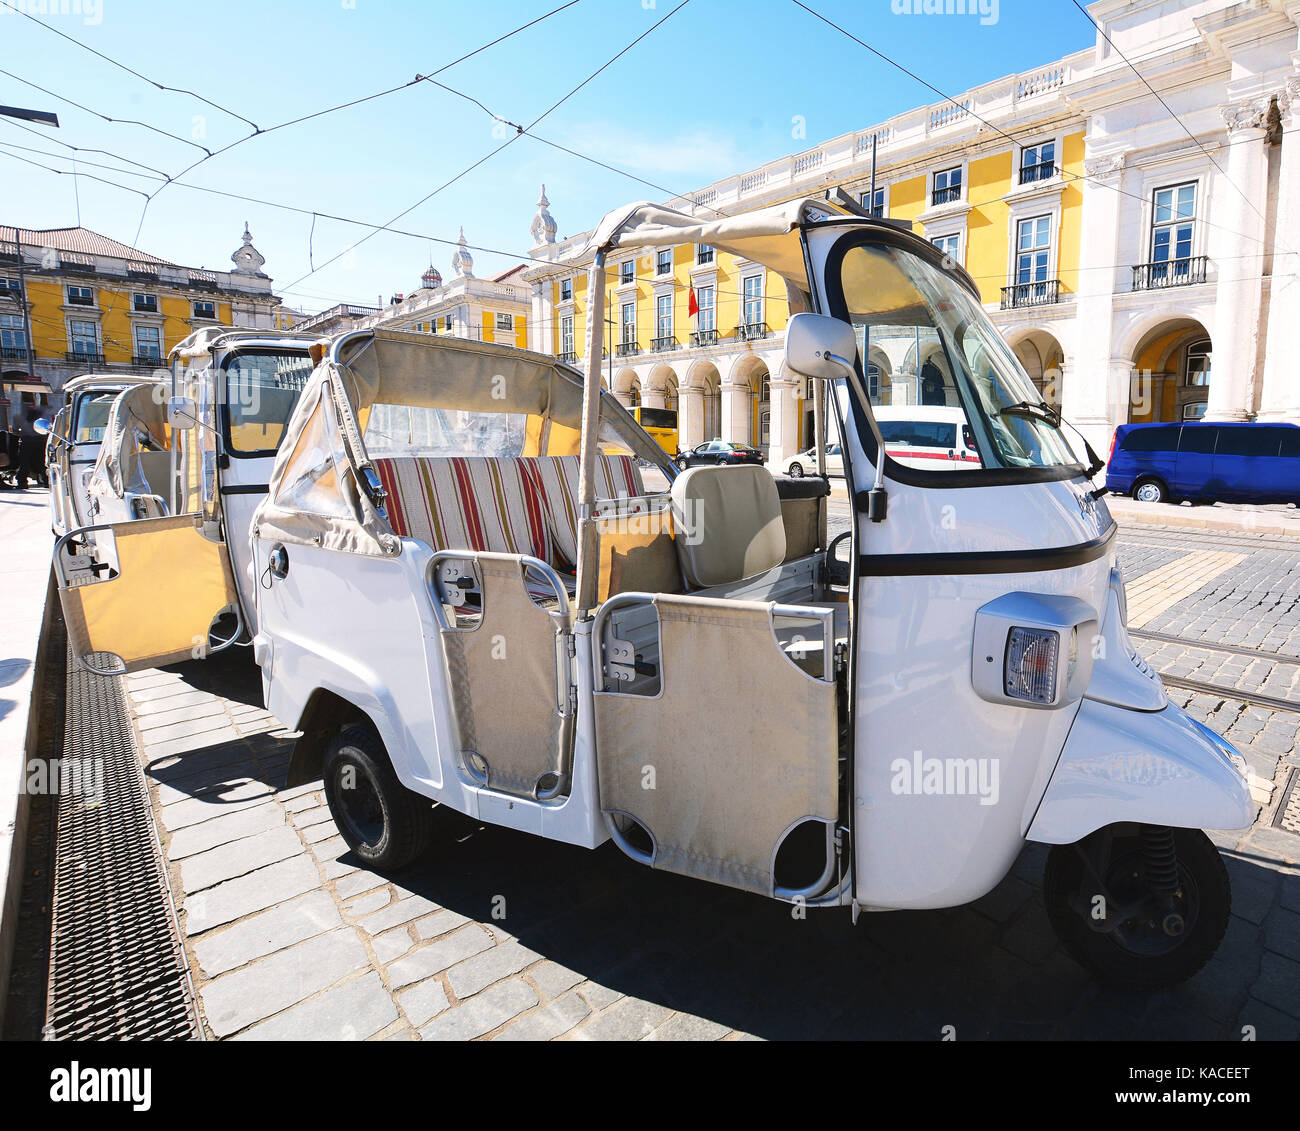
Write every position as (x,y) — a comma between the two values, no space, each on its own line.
(290,938)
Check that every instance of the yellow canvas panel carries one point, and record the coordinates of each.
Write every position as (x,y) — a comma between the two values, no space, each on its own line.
(172,582)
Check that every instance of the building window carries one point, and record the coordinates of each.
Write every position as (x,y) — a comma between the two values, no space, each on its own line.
(704,298)
(664,262)
(627,271)
(566,290)
(752,288)
(1037,162)
(9,285)
(448,323)
(664,317)
(950,246)
(84,338)
(148,343)
(703,254)
(1173,218)
(628,320)
(1198,363)
(205,309)
(506,322)
(874,204)
(144,304)
(81,296)
(13,335)
(1033,249)
(566,337)
(947,186)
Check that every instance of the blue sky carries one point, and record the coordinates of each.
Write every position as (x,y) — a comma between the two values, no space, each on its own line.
(713,91)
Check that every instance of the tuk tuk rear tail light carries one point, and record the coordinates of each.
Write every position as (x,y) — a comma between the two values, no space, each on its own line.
(1027,652)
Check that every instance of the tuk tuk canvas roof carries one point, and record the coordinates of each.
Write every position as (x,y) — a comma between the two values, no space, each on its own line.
(769,236)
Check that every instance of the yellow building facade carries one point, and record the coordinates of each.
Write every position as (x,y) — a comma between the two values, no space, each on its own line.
(73,301)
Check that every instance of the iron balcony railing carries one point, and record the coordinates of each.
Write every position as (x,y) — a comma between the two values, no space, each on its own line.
(569,356)
(751,331)
(1169,273)
(14,353)
(658,345)
(946,195)
(88,357)
(1045,292)
(704,337)
(149,360)
(1043,171)
(628,348)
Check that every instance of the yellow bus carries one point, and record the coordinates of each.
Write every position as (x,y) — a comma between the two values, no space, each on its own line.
(661,423)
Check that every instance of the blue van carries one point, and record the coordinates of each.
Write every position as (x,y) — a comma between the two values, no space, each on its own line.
(1244,463)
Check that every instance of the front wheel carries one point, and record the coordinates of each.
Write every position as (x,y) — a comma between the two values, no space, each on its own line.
(383,822)
(1144,908)
(795,470)
(682,463)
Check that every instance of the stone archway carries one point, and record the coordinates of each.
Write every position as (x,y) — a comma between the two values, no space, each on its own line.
(751,374)
(699,404)
(1043,359)
(660,389)
(627,388)
(1171,371)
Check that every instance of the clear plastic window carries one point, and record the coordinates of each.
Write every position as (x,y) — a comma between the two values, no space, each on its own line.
(312,478)
(934,346)
(412,430)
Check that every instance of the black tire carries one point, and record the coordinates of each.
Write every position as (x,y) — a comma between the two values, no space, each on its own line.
(1150,490)
(1138,954)
(795,470)
(383,822)
(682,464)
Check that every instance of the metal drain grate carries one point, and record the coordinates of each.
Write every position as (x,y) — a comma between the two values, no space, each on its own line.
(117,969)
(1287,817)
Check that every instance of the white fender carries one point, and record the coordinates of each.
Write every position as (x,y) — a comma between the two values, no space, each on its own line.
(1153,767)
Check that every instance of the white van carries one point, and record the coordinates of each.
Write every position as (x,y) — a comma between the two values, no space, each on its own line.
(929,437)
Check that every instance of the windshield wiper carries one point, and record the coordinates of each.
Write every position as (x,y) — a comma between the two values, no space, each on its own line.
(1033,409)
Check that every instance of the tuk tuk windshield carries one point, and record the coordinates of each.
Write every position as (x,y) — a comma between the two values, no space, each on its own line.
(92,417)
(924,340)
(261,389)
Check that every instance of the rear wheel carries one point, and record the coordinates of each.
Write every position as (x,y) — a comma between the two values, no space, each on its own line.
(383,822)
(682,463)
(1145,908)
(1151,491)
(795,470)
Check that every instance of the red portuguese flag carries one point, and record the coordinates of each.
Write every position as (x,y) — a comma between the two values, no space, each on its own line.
(692,306)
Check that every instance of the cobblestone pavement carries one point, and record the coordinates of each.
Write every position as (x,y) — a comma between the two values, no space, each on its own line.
(498,934)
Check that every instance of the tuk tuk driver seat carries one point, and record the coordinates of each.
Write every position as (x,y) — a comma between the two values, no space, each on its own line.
(729,524)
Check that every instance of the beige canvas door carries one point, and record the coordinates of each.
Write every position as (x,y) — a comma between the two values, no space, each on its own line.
(717,739)
(143,594)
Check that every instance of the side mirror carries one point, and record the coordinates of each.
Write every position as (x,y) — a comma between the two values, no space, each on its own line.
(41,427)
(819,346)
(182,412)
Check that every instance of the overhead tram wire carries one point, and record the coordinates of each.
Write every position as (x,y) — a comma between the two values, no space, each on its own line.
(105,117)
(1000,132)
(504,145)
(349,104)
(122,66)
(1171,112)
(81,149)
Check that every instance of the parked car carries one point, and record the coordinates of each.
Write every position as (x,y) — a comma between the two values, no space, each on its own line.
(1204,463)
(805,462)
(928,437)
(719,452)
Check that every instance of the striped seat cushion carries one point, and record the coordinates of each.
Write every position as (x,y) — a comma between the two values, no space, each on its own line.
(467,503)
(555,478)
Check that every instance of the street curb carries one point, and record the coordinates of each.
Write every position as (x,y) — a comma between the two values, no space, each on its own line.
(1246,524)
(13,835)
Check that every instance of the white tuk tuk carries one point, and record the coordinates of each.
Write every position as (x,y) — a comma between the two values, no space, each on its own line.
(158,571)
(74,444)
(467,596)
